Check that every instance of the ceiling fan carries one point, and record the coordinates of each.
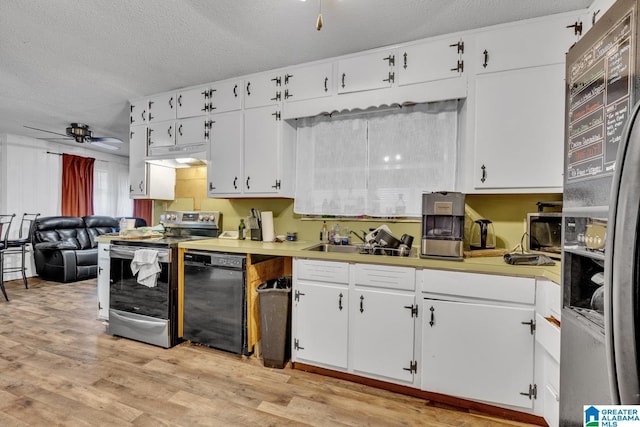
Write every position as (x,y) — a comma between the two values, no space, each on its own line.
(81,134)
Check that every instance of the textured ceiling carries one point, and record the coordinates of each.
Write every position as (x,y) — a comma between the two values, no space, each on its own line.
(68,61)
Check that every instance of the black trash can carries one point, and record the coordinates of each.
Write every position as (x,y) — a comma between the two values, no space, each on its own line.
(275,321)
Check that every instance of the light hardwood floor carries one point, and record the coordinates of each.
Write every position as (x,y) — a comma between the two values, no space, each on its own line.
(59,367)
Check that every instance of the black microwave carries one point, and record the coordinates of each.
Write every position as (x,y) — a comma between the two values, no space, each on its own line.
(544,233)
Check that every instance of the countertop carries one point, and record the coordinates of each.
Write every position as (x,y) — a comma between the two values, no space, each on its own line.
(489,265)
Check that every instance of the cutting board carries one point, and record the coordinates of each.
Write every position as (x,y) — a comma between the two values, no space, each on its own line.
(485,253)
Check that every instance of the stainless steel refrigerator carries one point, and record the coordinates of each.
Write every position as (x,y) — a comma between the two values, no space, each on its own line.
(600,328)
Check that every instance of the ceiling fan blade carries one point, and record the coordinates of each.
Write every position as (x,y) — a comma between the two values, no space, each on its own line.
(106,139)
(100,144)
(48,131)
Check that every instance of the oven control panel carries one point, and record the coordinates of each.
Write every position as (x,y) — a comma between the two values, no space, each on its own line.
(191,219)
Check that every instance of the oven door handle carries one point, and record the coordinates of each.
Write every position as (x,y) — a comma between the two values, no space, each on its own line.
(127,252)
(149,324)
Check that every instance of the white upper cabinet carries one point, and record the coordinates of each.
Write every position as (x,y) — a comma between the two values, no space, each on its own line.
(263,89)
(138,112)
(137,165)
(162,107)
(225,164)
(366,72)
(262,128)
(430,61)
(192,130)
(193,102)
(519,128)
(162,134)
(309,82)
(226,96)
(525,44)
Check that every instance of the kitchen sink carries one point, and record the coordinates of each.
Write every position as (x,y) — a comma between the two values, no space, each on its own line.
(357,249)
(327,247)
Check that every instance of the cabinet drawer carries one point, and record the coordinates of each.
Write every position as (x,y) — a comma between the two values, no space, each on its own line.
(484,286)
(548,335)
(548,299)
(322,271)
(380,276)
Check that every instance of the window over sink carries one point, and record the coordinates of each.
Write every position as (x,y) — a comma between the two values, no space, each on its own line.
(376,162)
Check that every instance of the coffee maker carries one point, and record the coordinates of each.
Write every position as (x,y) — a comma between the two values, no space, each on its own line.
(442,225)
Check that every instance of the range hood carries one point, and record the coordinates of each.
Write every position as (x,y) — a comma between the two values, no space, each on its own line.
(179,156)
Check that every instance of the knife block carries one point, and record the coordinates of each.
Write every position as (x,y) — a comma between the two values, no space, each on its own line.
(256,234)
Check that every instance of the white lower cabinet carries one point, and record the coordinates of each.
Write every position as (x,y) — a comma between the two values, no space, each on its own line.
(382,322)
(320,313)
(104,270)
(478,351)
(478,334)
(383,334)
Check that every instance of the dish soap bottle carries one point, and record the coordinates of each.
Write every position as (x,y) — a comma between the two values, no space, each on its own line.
(241,230)
(324,233)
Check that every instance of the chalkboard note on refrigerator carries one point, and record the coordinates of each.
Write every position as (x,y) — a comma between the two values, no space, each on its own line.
(599,103)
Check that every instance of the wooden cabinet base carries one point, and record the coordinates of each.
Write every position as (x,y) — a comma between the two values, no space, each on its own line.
(436,399)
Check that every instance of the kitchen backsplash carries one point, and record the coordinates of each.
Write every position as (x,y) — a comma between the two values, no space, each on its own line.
(507,211)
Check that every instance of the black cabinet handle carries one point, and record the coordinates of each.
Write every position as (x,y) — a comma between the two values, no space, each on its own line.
(486,59)
(343,76)
(235,91)
(361,303)
(248,178)
(326,82)
(248,90)
(404,55)
(340,302)
(433,317)
(180,129)
(180,100)
(171,102)
(211,187)
(484,174)
(235,181)
(169,131)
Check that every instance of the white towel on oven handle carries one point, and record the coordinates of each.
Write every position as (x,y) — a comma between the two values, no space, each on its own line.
(145,264)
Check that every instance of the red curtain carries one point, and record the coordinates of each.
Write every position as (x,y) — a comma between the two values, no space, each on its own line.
(77,185)
(143,208)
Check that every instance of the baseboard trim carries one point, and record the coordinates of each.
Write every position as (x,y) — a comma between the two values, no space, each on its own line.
(437,398)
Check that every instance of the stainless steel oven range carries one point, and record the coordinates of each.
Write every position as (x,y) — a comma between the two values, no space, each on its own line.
(147,311)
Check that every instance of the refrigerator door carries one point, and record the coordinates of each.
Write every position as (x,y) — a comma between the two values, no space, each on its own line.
(622,299)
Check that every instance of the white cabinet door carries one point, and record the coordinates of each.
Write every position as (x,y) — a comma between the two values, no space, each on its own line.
(383,333)
(225,167)
(104,269)
(431,61)
(162,134)
(261,150)
(263,89)
(308,82)
(478,351)
(226,96)
(161,183)
(366,72)
(162,107)
(525,44)
(137,165)
(192,130)
(192,102)
(138,112)
(519,128)
(321,323)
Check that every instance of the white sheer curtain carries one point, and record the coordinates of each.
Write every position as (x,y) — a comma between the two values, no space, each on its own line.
(111,189)
(376,163)
(331,166)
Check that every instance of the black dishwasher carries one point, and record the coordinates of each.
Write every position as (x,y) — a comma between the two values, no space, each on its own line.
(215,300)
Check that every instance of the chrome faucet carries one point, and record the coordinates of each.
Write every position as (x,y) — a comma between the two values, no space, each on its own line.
(363,237)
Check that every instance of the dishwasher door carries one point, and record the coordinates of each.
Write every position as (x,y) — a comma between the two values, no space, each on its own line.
(215,301)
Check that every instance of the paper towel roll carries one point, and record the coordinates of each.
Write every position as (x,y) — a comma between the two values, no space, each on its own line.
(268,233)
